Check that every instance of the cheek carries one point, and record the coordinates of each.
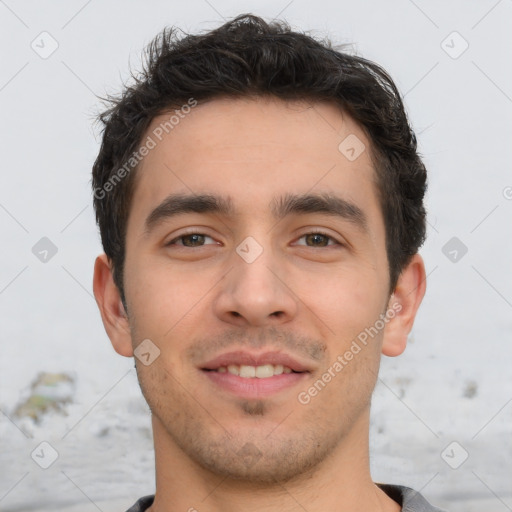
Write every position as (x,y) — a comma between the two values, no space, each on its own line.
(163,389)
(170,308)
(158,295)
(347,302)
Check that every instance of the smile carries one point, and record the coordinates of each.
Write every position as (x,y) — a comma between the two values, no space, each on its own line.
(259,372)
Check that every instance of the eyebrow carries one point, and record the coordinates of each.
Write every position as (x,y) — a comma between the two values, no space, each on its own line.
(176,204)
(281,207)
(325,203)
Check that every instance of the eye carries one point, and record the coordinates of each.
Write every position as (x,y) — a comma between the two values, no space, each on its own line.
(190,240)
(318,239)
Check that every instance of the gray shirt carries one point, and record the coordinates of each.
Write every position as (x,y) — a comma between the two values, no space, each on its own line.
(408,499)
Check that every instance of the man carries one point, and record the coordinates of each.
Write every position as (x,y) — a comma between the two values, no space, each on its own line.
(260,203)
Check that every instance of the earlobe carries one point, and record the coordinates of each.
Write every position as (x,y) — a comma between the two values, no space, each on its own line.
(403,306)
(113,314)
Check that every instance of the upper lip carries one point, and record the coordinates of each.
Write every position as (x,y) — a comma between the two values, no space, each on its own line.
(249,359)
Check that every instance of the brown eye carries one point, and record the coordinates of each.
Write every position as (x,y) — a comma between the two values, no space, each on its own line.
(193,240)
(190,240)
(318,240)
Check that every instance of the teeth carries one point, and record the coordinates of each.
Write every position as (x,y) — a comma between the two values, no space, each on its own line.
(247,371)
(233,369)
(260,372)
(278,369)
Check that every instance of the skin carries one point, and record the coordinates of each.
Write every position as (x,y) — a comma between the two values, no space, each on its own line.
(308,297)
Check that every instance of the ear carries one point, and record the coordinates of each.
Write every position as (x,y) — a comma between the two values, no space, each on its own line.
(111,308)
(403,305)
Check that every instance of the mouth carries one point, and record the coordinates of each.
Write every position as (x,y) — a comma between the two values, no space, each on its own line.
(255,376)
(263,371)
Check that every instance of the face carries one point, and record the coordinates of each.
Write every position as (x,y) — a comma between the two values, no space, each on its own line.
(255,256)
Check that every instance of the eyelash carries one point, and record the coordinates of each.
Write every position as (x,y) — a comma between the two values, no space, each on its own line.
(317,232)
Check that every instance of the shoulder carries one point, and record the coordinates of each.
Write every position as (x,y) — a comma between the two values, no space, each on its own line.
(142,504)
(409,499)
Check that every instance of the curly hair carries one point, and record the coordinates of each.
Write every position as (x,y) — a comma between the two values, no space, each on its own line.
(249,57)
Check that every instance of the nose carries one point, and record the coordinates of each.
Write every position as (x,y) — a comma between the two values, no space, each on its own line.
(255,293)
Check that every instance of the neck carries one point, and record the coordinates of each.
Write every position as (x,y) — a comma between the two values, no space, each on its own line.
(342,481)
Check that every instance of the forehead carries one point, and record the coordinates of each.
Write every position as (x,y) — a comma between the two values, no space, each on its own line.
(254,150)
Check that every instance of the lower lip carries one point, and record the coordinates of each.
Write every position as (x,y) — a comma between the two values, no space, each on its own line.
(254,387)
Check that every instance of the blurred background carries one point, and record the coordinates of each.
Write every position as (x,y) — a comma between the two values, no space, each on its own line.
(75,432)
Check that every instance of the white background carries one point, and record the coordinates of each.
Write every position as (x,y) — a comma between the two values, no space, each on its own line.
(453,384)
